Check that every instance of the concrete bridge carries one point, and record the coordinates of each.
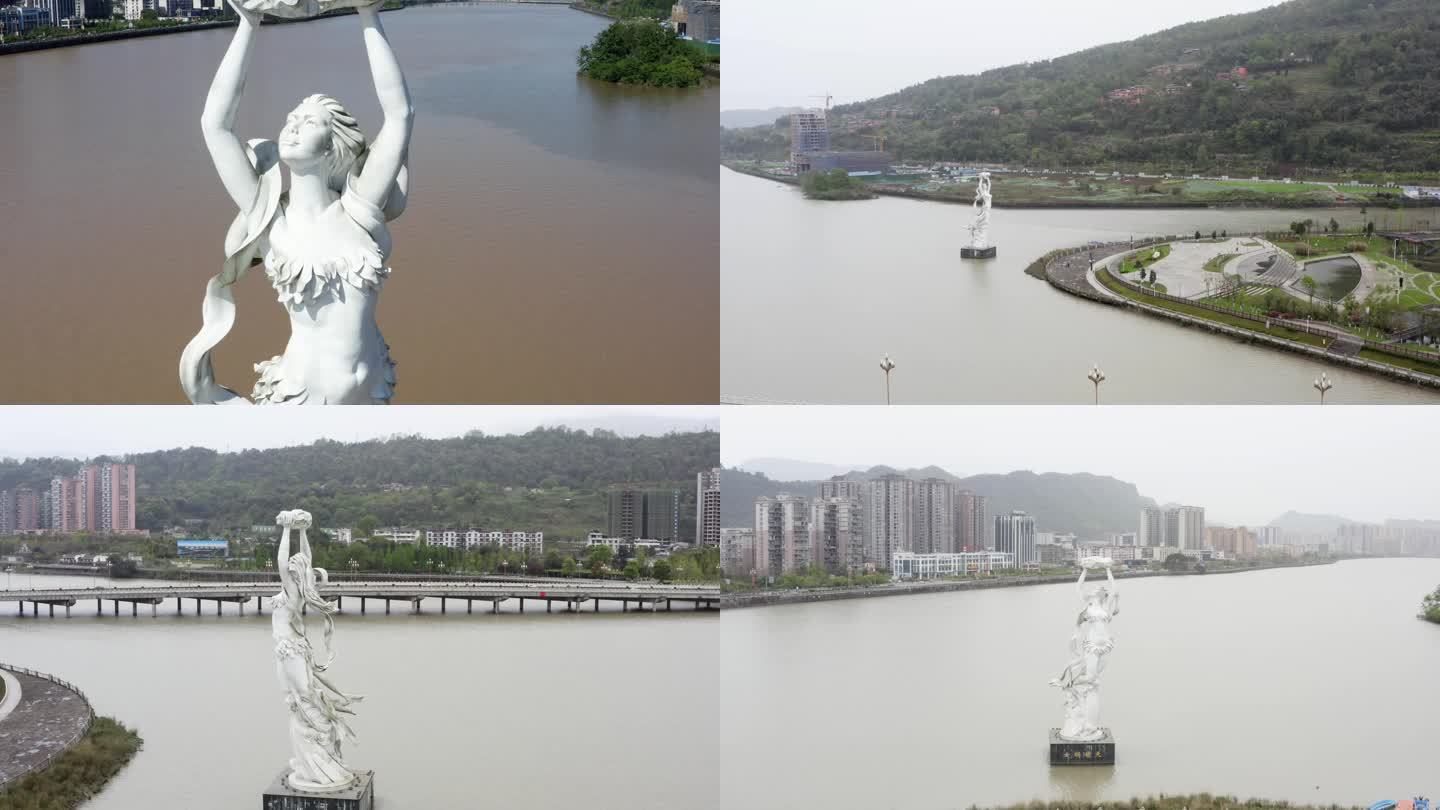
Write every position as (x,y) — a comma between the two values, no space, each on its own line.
(570,596)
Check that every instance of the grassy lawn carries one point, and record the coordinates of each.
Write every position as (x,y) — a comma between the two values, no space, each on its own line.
(78,774)
(1217,264)
(1144,259)
(1403,362)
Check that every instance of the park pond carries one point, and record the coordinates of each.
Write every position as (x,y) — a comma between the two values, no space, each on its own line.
(1334,277)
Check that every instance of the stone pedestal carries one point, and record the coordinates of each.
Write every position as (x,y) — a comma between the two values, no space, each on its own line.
(1069,752)
(359,796)
(977,253)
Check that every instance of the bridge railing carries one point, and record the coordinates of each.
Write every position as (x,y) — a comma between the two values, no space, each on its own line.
(89,721)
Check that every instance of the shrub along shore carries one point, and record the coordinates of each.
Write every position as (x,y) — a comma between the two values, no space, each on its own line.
(77,775)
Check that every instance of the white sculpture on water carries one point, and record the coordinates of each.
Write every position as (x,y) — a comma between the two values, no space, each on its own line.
(324,241)
(318,711)
(1090,645)
(980,228)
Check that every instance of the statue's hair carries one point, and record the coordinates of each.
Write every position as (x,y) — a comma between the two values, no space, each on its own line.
(347,141)
(303,576)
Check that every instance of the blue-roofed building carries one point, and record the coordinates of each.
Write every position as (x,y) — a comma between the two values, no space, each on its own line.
(202,548)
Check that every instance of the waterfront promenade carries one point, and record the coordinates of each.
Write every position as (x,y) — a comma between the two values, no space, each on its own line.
(43,721)
(569,596)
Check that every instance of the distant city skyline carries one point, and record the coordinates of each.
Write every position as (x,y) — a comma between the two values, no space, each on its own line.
(84,432)
(1179,454)
(781,54)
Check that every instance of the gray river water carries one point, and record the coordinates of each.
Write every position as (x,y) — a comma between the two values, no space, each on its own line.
(1312,685)
(603,710)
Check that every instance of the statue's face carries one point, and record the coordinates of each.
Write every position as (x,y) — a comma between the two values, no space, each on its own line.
(305,140)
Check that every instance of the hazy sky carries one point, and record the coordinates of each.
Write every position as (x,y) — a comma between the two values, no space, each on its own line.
(1245,465)
(85,431)
(778,52)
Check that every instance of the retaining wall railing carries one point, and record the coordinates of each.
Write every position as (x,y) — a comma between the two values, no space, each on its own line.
(89,721)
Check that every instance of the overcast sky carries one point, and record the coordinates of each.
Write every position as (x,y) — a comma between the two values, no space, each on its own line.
(778,52)
(1245,465)
(86,431)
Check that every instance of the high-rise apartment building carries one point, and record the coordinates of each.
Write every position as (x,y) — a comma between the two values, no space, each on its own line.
(662,515)
(7,513)
(1152,526)
(837,534)
(99,498)
(1185,528)
(737,552)
(842,488)
(644,514)
(934,516)
(972,521)
(1015,534)
(27,509)
(890,516)
(707,509)
(782,534)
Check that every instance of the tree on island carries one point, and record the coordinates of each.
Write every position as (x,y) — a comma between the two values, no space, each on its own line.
(1430,607)
(641,52)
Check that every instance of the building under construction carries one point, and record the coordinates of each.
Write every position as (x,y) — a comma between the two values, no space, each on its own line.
(810,148)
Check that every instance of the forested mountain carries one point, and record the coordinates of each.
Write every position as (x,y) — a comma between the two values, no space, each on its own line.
(1088,505)
(1327,85)
(551,479)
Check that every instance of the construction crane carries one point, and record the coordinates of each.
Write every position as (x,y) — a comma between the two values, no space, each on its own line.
(877,142)
(827,98)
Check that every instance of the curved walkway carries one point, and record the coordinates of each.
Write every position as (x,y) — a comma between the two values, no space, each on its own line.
(49,719)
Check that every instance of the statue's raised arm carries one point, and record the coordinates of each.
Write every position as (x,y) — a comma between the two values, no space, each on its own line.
(386,157)
(222,103)
(282,564)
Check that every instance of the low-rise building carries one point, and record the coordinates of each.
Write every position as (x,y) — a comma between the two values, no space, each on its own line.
(737,551)
(909,565)
(522,541)
(397,534)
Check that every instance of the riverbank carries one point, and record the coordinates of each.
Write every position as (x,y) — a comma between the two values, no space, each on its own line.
(732,601)
(1041,201)
(1085,272)
(79,774)
(138,33)
(221,575)
(1198,801)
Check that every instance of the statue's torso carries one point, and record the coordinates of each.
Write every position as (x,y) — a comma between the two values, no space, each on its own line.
(327,272)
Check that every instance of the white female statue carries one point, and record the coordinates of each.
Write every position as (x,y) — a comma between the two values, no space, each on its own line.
(980,229)
(324,242)
(1090,644)
(317,709)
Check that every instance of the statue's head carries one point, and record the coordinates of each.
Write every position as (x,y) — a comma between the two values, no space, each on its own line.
(320,136)
(1099,595)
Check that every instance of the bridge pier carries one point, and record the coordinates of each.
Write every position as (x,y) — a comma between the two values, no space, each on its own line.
(387,607)
(154,608)
(469,606)
(197,607)
(116,607)
(522,604)
(97,608)
(134,608)
(362,606)
(340,604)
(218,605)
(259,606)
(52,610)
(67,611)
(597,605)
(624,605)
(495,606)
(442,606)
(547,605)
(417,605)
(242,607)
(667,605)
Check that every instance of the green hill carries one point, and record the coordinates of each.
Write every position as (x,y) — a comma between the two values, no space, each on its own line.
(550,479)
(1329,85)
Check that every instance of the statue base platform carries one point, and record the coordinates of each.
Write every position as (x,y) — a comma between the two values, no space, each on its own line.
(359,796)
(977,253)
(1094,752)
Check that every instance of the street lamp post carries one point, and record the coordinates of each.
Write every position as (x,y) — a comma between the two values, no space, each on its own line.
(887,366)
(1322,385)
(1096,376)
